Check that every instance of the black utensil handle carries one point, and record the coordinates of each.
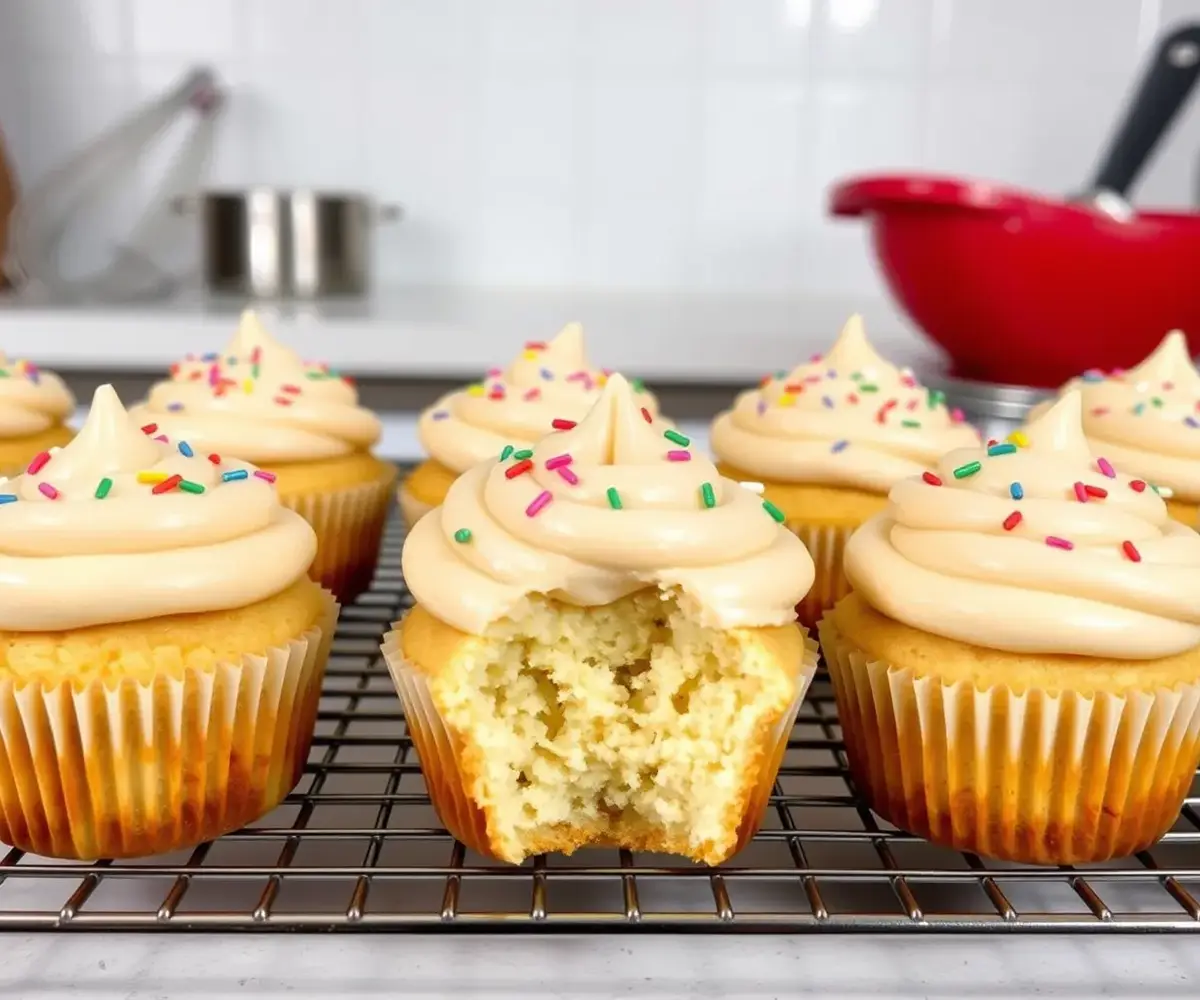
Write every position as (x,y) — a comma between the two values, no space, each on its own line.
(1163,91)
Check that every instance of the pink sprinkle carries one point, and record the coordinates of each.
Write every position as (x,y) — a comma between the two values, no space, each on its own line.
(908,381)
(815,359)
(912,404)
(162,437)
(46,490)
(568,475)
(956,415)
(256,355)
(1081,493)
(38,463)
(679,456)
(1117,372)
(577,376)
(214,375)
(1168,386)
(1099,411)
(494,372)
(539,501)
(558,461)
(1059,543)
(532,394)
(1103,465)
(813,379)
(266,476)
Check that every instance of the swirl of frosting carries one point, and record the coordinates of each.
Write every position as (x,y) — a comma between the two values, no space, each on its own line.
(257,400)
(31,400)
(848,419)
(596,511)
(1147,419)
(1035,546)
(550,380)
(122,526)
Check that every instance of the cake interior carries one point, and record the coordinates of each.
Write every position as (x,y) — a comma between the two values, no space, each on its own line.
(623,724)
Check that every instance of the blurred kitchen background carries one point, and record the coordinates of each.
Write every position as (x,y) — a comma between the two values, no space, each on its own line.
(655,168)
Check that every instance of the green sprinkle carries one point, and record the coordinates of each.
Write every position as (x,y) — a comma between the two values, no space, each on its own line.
(317,376)
(638,385)
(506,453)
(614,498)
(781,374)
(1139,408)
(1007,448)
(3,373)
(103,487)
(910,423)
(676,438)
(868,387)
(1155,488)
(967,470)
(856,376)
(774,511)
(189,487)
(254,371)
(707,496)
(936,398)
(523,454)
(1156,400)
(462,536)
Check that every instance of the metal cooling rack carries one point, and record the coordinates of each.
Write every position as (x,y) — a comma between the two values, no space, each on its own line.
(356,847)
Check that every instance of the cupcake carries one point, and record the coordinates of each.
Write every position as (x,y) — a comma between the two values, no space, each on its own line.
(34,407)
(828,439)
(163,648)
(603,649)
(258,401)
(506,410)
(1017,670)
(1146,421)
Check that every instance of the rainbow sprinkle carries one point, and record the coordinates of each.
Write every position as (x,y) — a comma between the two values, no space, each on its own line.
(189,487)
(517,470)
(462,536)
(1106,468)
(1012,520)
(185,450)
(153,477)
(539,503)
(963,471)
(676,438)
(268,477)
(1131,551)
(1059,543)
(523,454)
(102,488)
(1016,491)
(1001,449)
(931,479)
(679,456)
(559,460)
(506,453)
(8,498)
(559,424)
(567,475)
(229,477)
(167,485)
(614,498)
(839,446)
(774,511)
(707,496)
(38,463)
(48,491)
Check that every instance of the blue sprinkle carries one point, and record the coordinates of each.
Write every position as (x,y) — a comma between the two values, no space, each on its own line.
(1091,375)
(762,407)
(828,402)
(440,415)
(8,498)
(1016,491)
(185,450)
(1001,449)
(831,374)
(1191,421)
(209,357)
(174,407)
(1139,408)
(547,374)
(229,477)
(839,446)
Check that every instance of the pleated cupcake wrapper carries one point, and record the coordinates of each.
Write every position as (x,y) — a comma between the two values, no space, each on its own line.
(826,545)
(127,768)
(1035,776)
(411,508)
(440,753)
(349,524)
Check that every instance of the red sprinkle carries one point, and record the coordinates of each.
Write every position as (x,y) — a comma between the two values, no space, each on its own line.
(496,393)
(38,463)
(268,477)
(283,401)
(167,484)
(646,414)
(47,490)
(532,394)
(292,389)
(519,469)
(1059,543)
(1099,492)
(559,424)
(794,387)
(991,442)
(881,415)
(215,458)
(1012,520)
(1081,493)
(149,428)
(1131,551)
(1137,485)
(852,398)
(535,345)
(931,479)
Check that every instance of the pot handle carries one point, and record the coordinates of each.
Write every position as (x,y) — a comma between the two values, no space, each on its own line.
(1162,93)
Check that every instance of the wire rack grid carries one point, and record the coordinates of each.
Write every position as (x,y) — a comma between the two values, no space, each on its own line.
(357,847)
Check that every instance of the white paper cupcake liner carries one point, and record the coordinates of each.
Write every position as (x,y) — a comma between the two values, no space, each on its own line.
(128,768)
(440,751)
(1032,776)
(349,524)
(827,546)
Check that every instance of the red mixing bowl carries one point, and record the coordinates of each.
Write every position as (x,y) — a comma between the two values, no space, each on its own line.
(1023,289)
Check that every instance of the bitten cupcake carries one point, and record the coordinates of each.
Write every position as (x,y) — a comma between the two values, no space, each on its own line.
(34,408)
(161,648)
(508,409)
(1146,421)
(604,647)
(258,401)
(828,439)
(1018,668)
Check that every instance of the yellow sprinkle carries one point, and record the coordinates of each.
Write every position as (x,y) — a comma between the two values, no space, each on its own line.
(1019,439)
(786,399)
(151,477)
(248,386)
(601,379)
(474,390)
(529,355)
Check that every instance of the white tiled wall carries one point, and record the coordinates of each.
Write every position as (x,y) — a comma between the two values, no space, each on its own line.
(658,144)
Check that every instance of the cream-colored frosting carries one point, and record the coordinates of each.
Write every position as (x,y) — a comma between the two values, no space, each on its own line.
(1147,420)
(1110,574)
(70,558)
(848,419)
(31,400)
(548,381)
(258,400)
(551,527)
